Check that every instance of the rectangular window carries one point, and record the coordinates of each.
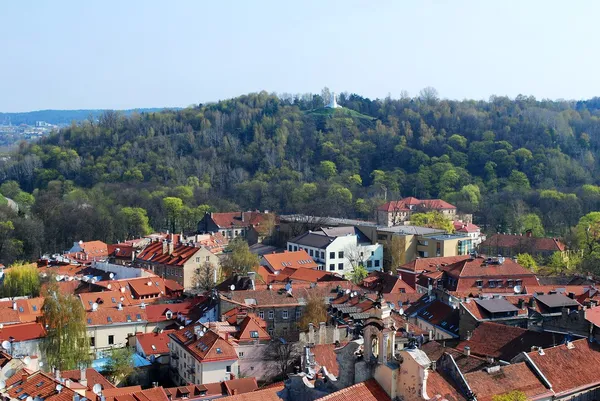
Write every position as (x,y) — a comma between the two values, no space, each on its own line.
(198,260)
(111,339)
(261,314)
(228,369)
(492,284)
(376,262)
(208,258)
(311,253)
(479,283)
(254,334)
(340,266)
(341,254)
(322,255)
(331,255)
(499,283)
(290,248)
(518,282)
(92,341)
(241,354)
(332,267)
(271,314)
(369,263)
(298,313)
(295,248)
(284,314)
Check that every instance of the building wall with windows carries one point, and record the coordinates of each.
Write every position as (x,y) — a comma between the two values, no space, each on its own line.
(336,257)
(105,337)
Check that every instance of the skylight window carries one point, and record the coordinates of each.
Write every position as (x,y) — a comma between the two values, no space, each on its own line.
(21,309)
(109,319)
(89,321)
(254,334)
(129,318)
(138,317)
(219,351)
(34,307)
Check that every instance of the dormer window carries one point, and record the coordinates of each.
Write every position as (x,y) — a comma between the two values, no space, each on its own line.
(169,314)
(479,283)
(254,334)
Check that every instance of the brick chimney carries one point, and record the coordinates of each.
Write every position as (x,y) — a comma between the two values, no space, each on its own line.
(170,246)
(82,377)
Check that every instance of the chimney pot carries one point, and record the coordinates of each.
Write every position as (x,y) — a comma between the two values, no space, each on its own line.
(467,350)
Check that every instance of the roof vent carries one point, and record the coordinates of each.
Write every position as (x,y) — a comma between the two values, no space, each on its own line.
(570,345)
(541,351)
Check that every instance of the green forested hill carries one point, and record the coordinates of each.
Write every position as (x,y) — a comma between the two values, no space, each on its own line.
(500,159)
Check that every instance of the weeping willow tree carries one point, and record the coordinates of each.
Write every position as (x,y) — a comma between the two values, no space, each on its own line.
(21,280)
(66,345)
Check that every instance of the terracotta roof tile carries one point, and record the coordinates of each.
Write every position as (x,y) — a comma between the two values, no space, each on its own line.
(154,253)
(368,390)
(326,357)
(22,331)
(154,343)
(438,384)
(462,227)
(432,264)
(517,376)
(240,386)
(209,347)
(91,375)
(582,362)
(267,394)
(386,283)
(404,204)
(523,242)
(252,329)
(505,342)
(295,259)
(37,384)
(239,219)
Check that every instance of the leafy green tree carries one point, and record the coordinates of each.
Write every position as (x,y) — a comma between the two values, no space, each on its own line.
(238,259)
(172,207)
(358,274)
(532,222)
(518,182)
(120,364)
(10,247)
(557,263)
(21,280)
(527,261)
(66,345)
(136,222)
(327,169)
(433,219)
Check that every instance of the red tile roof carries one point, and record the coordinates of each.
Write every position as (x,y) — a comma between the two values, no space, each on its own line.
(121,251)
(216,243)
(267,394)
(592,315)
(517,376)
(386,283)
(91,375)
(240,386)
(37,384)
(505,342)
(326,357)
(239,219)
(26,310)
(154,343)
(252,325)
(467,272)
(154,253)
(462,227)
(521,241)
(209,347)
(403,204)
(368,390)
(432,264)
(435,351)
(582,363)
(295,259)
(22,331)
(108,316)
(437,384)
(158,312)
(94,248)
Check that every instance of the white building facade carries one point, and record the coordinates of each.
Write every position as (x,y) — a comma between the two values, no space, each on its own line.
(339,250)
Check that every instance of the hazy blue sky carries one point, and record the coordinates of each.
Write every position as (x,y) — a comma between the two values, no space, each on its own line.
(125,54)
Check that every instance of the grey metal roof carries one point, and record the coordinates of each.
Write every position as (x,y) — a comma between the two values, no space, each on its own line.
(410,230)
(312,240)
(496,305)
(556,300)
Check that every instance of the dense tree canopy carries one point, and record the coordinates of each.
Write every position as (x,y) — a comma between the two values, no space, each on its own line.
(500,159)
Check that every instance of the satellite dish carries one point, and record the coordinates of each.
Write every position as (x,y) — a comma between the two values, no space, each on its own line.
(348,291)
(94,306)
(111,275)
(109,286)
(2,384)
(5,345)
(97,389)
(59,387)
(401,311)
(58,278)
(41,364)
(86,278)
(232,287)
(27,360)
(517,289)
(149,283)
(122,298)
(122,289)
(30,398)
